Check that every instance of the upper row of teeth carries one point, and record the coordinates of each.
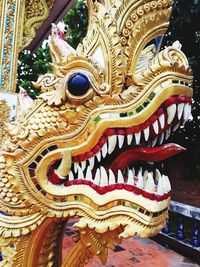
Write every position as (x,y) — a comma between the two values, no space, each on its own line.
(144,181)
(113,140)
(182,111)
(111,144)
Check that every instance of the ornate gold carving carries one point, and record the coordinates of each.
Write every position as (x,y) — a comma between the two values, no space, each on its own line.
(12,250)
(14,226)
(89,244)
(36,11)
(44,242)
(11,23)
(129,82)
(5,117)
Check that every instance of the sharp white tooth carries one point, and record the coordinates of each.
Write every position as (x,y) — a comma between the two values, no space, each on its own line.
(168,185)
(150,186)
(71,176)
(180,110)
(137,137)
(161,138)
(146,133)
(130,178)
(133,171)
(165,184)
(97,177)
(80,173)
(186,112)
(154,141)
(160,187)
(111,177)
(129,138)
(104,150)
(91,162)
(157,174)
(155,127)
(76,165)
(145,176)
(120,140)
(176,126)
(98,155)
(140,182)
(162,120)
(88,176)
(167,133)
(112,141)
(120,178)
(104,177)
(83,165)
(171,111)
(140,171)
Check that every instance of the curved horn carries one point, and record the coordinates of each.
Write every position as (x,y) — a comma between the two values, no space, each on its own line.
(65,165)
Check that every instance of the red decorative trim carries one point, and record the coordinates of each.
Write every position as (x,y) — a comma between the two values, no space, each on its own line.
(54,178)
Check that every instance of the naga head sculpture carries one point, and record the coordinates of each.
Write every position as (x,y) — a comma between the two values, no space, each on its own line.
(107,108)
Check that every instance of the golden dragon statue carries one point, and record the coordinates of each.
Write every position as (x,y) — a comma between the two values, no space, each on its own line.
(105,110)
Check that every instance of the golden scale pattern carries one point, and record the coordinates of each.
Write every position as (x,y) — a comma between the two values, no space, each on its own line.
(48,117)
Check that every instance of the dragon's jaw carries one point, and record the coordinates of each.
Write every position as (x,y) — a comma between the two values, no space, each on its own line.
(102,150)
(118,149)
(122,174)
(98,119)
(104,183)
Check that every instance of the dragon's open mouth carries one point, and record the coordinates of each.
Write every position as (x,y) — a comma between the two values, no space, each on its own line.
(115,161)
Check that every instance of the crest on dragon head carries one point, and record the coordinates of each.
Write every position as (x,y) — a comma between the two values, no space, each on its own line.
(107,108)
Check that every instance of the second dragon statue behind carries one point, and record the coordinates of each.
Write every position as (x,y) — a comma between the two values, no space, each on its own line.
(106,108)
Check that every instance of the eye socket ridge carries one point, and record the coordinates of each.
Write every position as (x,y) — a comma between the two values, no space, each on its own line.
(78,84)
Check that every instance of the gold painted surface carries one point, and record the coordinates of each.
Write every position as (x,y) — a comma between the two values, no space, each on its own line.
(11,28)
(90,243)
(36,11)
(5,115)
(124,72)
(19,20)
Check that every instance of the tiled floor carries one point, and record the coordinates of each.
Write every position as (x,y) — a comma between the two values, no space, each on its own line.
(134,252)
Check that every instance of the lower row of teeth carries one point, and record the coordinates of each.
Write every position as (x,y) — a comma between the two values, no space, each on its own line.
(147,181)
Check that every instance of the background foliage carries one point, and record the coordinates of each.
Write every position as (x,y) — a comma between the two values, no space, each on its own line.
(184,26)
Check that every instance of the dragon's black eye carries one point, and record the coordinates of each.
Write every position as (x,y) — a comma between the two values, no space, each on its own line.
(78,84)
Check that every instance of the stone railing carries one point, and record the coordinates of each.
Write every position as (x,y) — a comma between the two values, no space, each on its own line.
(182,231)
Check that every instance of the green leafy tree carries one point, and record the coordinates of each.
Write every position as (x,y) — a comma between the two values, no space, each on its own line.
(76,23)
(31,66)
